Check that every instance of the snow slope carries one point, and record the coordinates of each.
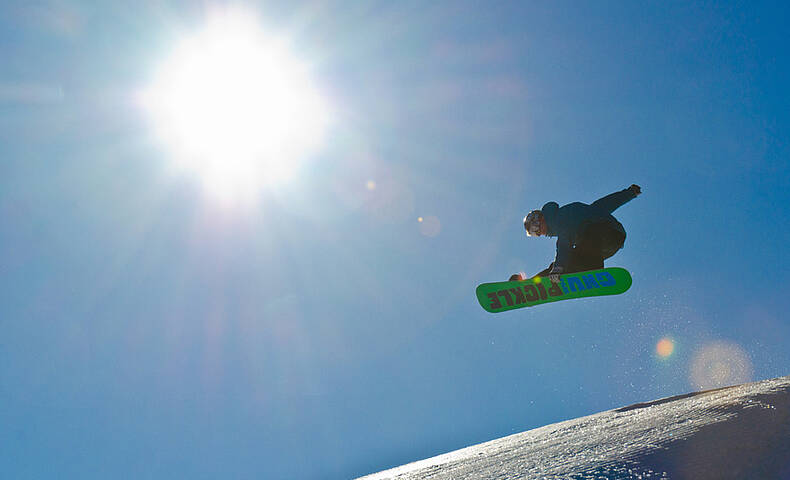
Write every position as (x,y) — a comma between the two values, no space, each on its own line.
(735,432)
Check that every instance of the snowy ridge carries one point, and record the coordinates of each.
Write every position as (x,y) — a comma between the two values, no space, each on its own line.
(734,432)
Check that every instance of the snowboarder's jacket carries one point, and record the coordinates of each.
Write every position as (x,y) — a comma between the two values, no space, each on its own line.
(569,222)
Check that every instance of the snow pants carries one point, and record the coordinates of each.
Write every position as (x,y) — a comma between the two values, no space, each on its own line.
(597,242)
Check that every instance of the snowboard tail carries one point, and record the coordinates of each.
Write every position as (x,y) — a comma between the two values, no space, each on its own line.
(502,296)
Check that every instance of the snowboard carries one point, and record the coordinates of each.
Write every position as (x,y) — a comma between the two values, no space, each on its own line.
(502,296)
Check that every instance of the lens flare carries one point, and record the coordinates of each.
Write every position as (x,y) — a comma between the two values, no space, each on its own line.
(720,364)
(391,201)
(665,347)
(430,226)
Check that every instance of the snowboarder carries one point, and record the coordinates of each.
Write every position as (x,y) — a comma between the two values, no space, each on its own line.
(586,234)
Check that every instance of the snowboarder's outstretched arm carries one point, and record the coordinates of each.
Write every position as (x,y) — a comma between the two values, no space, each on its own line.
(613,201)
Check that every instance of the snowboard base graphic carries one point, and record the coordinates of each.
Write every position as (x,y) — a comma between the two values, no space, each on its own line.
(502,296)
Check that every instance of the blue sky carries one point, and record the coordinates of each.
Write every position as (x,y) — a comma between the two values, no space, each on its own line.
(324,331)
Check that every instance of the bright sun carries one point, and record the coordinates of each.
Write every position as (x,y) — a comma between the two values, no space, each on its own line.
(236,107)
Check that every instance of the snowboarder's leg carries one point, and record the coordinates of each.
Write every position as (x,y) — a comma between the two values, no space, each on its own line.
(610,239)
(599,240)
(581,261)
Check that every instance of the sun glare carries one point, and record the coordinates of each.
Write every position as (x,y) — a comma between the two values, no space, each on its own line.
(236,107)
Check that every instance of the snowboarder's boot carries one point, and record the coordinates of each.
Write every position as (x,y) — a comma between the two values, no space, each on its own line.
(517,277)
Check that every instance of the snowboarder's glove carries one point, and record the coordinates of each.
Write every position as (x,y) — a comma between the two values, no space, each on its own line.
(636,189)
(554,274)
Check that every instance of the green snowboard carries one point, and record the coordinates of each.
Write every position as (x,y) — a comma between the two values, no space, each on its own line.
(502,296)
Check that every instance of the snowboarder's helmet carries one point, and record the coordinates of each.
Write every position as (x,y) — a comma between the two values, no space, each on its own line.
(532,223)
